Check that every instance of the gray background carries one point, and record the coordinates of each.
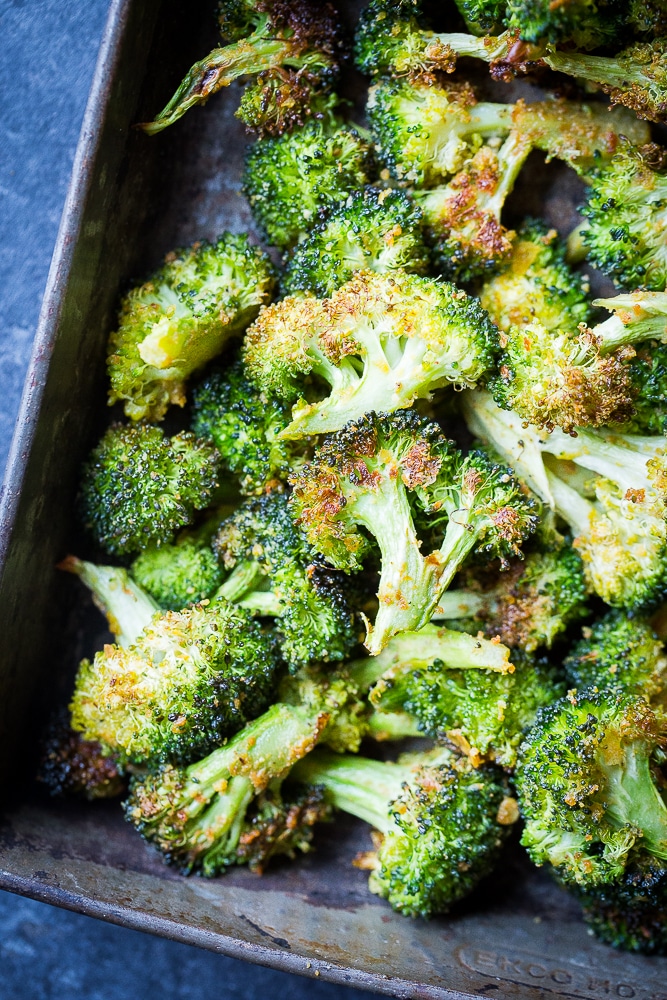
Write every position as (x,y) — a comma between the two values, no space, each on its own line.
(48,55)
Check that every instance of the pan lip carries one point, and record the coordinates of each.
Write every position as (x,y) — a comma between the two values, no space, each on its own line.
(81,179)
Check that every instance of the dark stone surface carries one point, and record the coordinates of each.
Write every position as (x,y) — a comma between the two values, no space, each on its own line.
(49,49)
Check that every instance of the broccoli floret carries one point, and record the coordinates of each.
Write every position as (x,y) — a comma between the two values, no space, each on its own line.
(279,822)
(285,99)
(442,822)
(586,788)
(362,478)
(192,678)
(626,211)
(635,77)
(376,230)
(138,487)
(314,620)
(126,605)
(70,765)
(620,654)
(616,515)
(537,285)
(390,40)
(586,24)
(648,17)
(245,425)
(458,689)
(381,341)
(292,181)
(183,573)
(208,816)
(261,37)
(181,318)
(540,598)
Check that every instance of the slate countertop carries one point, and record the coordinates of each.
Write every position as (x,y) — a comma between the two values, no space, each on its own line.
(49,51)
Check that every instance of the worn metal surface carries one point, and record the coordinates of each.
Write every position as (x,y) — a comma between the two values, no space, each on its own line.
(132,199)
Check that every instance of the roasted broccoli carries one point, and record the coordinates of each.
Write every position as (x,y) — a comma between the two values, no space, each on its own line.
(364,476)
(532,605)
(635,77)
(648,373)
(620,654)
(70,765)
(626,209)
(586,790)
(213,814)
(279,574)
(615,510)
(585,24)
(138,487)
(192,678)
(380,342)
(482,17)
(181,318)
(442,822)
(292,181)
(245,425)
(374,230)
(630,912)
(273,38)
(182,573)
(285,99)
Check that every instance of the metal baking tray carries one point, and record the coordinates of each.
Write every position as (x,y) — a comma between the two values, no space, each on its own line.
(131,199)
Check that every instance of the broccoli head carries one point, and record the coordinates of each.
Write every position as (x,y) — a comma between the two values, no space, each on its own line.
(281,575)
(230,808)
(192,678)
(281,100)
(262,37)
(630,913)
(292,181)
(381,341)
(537,285)
(184,572)
(374,230)
(181,318)
(626,211)
(138,487)
(442,822)
(586,788)
(482,17)
(363,479)
(586,24)
(622,654)
(70,765)
(648,372)
(245,425)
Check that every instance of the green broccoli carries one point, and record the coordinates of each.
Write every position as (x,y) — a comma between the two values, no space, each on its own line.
(537,285)
(70,765)
(630,913)
(245,425)
(364,477)
(191,678)
(620,654)
(279,101)
(213,813)
(586,789)
(292,181)
(182,573)
(380,342)
(442,822)
(539,599)
(139,487)
(482,17)
(626,211)
(425,133)
(127,606)
(181,318)
(635,77)
(376,230)
(267,37)
(648,373)
(617,515)
(275,572)
(585,24)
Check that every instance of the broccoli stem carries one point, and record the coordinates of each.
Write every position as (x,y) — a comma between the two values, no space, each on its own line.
(598,452)
(394,725)
(127,608)
(511,157)
(456,604)
(489,48)
(222,66)
(407,579)
(572,507)
(596,69)
(244,578)
(637,316)
(356,785)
